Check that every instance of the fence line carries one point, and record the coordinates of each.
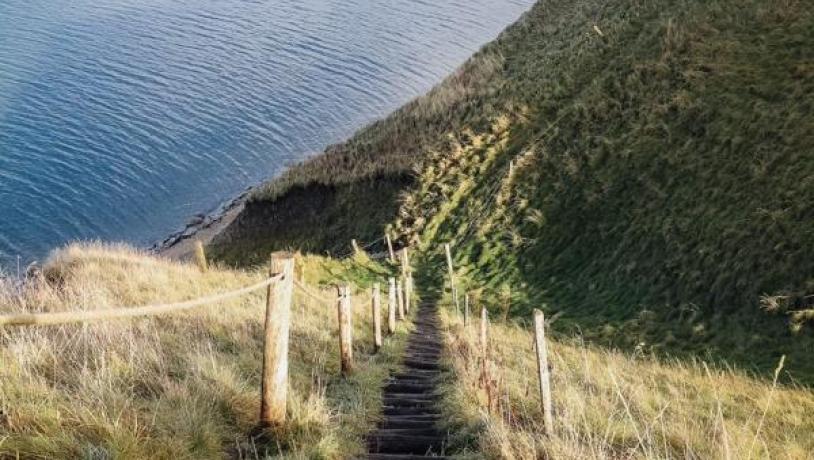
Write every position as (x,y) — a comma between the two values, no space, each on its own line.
(305,289)
(279,299)
(543,371)
(363,297)
(345,320)
(276,330)
(77,316)
(485,381)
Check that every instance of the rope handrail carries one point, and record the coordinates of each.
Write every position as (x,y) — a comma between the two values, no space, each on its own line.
(307,290)
(53,318)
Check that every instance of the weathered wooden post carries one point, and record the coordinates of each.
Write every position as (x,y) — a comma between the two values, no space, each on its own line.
(390,248)
(274,382)
(412,291)
(345,330)
(408,292)
(391,306)
(452,286)
(542,367)
(466,309)
(400,299)
(484,345)
(486,379)
(355,247)
(449,262)
(405,263)
(200,256)
(455,301)
(377,318)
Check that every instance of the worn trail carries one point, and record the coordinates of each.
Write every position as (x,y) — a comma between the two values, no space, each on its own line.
(409,430)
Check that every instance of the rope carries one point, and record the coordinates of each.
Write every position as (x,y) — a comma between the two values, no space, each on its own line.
(374,242)
(306,290)
(23,319)
(379,255)
(365,247)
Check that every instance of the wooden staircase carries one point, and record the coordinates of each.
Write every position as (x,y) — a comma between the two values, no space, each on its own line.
(409,429)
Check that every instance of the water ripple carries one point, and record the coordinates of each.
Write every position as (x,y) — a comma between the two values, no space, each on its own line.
(119,119)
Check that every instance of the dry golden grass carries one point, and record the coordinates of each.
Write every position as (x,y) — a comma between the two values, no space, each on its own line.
(613,405)
(177,386)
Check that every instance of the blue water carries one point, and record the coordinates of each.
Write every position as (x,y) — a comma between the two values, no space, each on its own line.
(120,119)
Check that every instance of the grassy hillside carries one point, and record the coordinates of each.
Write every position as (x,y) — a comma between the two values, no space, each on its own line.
(183,386)
(610,405)
(186,386)
(643,170)
(662,184)
(661,179)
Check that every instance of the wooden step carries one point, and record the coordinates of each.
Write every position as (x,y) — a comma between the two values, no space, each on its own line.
(396,423)
(429,396)
(414,363)
(405,444)
(430,432)
(409,402)
(411,387)
(409,428)
(425,418)
(418,374)
(392,410)
(402,457)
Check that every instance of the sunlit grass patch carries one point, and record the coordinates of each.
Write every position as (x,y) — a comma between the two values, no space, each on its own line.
(609,404)
(185,385)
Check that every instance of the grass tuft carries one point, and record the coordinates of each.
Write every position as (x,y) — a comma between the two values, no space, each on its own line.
(185,385)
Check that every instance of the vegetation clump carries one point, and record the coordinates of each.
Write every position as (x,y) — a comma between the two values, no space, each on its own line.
(184,385)
(640,169)
(643,168)
(609,404)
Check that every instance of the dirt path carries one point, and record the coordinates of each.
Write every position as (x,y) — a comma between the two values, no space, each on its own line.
(408,430)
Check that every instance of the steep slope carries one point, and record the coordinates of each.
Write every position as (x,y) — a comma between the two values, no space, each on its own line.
(184,385)
(661,180)
(663,156)
(611,405)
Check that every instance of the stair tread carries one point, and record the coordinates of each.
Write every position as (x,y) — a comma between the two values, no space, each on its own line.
(408,430)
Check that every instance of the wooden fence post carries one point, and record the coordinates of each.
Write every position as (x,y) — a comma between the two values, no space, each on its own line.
(390,247)
(542,367)
(391,306)
(400,299)
(451,269)
(455,301)
(377,318)
(200,256)
(466,309)
(274,382)
(449,262)
(408,292)
(405,263)
(412,290)
(484,340)
(486,379)
(355,247)
(345,330)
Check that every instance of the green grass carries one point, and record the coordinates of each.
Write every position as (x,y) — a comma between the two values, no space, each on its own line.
(662,185)
(317,218)
(663,180)
(182,386)
(610,405)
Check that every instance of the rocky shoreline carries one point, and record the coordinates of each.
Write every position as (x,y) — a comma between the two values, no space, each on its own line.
(202,227)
